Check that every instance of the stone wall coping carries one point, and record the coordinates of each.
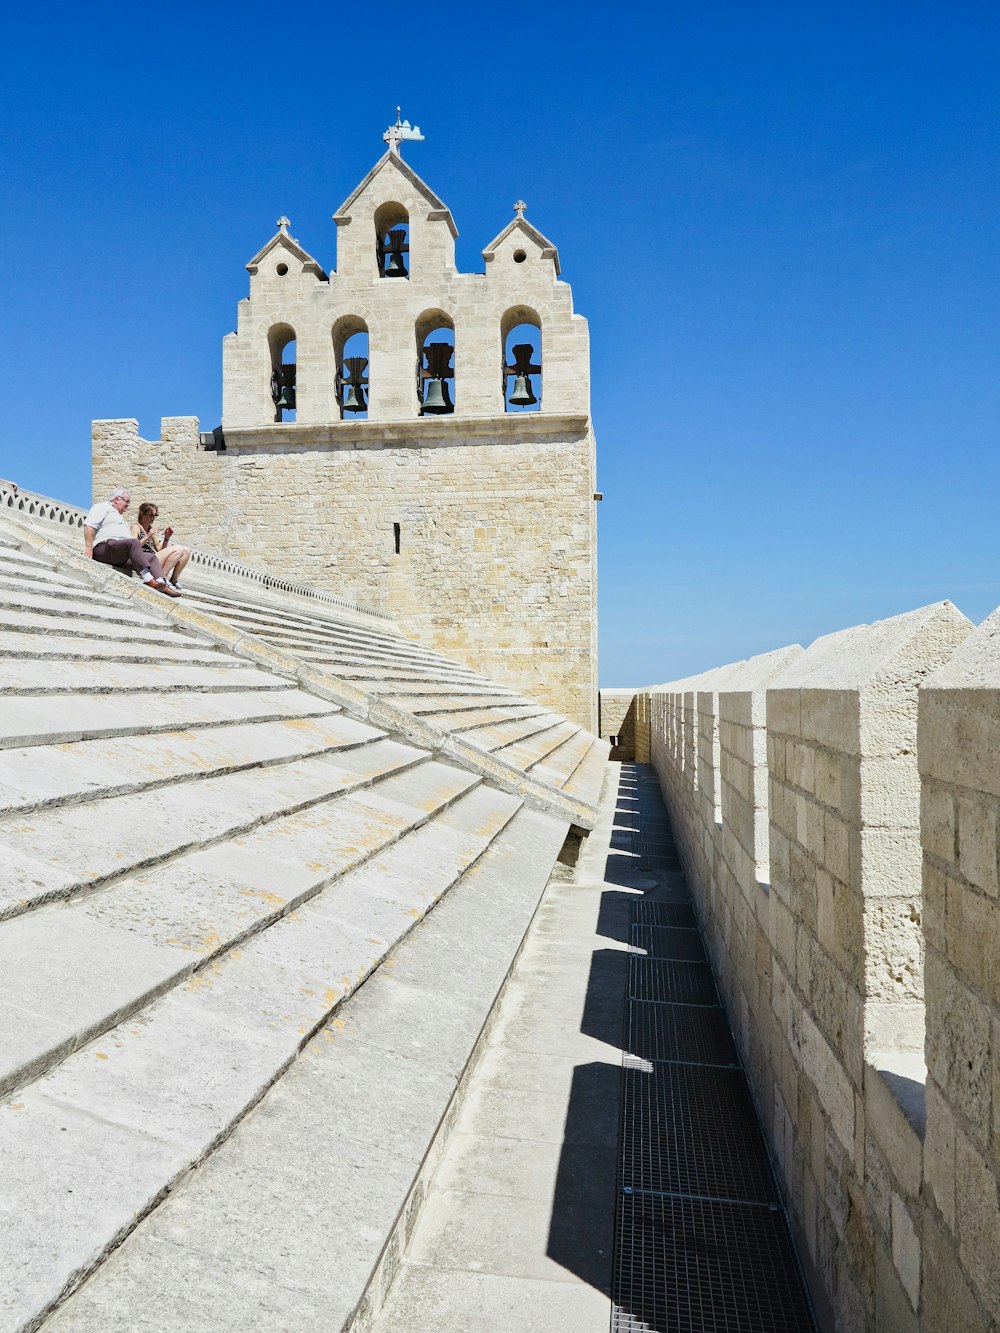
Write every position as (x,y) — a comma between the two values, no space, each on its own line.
(421,432)
(758,672)
(975,664)
(859,657)
(41,510)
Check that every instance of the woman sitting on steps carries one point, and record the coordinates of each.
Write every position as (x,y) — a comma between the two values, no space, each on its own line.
(172,558)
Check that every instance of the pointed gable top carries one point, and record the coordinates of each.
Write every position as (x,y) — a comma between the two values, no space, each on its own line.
(281,238)
(521,224)
(439,209)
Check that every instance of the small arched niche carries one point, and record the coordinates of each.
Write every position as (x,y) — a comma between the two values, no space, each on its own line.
(521,373)
(350,352)
(281,345)
(392,240)
(435,334)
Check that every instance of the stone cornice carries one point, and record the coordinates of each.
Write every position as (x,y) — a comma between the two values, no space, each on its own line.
(423,432)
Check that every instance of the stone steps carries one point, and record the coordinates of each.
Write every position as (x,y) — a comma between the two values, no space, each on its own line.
(532,749)
(152,1097)
(70,970)
(495,738)
(204,870)
(61,718)
(38,776)
(588,778)
(296,1220)
(99,677)
(51,645)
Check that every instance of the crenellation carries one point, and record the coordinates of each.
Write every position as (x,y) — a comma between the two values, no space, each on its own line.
(871,947)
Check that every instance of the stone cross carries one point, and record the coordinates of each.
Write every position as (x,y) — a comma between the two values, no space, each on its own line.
(519,207)
(284,223)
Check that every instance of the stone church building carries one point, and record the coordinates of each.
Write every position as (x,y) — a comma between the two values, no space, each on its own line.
(406,435)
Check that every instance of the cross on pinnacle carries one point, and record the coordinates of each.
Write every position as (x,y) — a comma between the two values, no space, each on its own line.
(284,222)
(519,207)
(401,130)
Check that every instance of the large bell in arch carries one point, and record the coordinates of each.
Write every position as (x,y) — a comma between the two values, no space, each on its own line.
(522,371)
(283,387)
(352,392)
(395,266)
(436,396)
(522,395)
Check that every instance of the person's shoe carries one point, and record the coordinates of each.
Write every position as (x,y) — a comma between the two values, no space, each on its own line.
(169,589)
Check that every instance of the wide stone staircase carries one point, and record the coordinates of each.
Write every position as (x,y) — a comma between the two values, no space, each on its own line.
(233,1032)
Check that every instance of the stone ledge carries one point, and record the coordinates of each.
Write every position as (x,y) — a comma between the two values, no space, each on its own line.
(420,433)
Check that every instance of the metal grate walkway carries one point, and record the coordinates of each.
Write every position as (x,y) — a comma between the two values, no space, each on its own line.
(701,1235)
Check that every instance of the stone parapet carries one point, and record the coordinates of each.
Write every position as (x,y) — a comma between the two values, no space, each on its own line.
(837,813)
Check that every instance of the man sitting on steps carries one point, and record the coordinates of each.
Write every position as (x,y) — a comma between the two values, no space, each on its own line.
(106,538)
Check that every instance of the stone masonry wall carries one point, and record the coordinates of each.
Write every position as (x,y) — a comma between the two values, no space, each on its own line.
(801,786)
(625,714)
(497,532)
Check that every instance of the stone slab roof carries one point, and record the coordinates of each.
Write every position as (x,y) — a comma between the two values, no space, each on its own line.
(246,838)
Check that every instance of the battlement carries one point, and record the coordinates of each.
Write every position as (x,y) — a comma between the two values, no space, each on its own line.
(837,813)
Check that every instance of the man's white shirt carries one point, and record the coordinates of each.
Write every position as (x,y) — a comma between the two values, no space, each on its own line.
(108,524)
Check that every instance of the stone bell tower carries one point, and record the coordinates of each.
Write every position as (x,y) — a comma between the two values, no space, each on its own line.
(411,436)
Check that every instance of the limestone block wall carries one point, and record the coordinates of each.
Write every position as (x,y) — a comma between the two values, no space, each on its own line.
(801,787)
(496,530)
(625,714)
(959,756)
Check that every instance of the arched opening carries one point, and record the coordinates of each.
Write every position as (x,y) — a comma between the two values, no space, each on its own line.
(435,363)
(281,343)
(350,352)
(392,240)
(521,374)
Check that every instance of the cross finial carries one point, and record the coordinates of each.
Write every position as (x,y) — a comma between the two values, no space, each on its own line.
(284,223)
(519,207)
(401,130)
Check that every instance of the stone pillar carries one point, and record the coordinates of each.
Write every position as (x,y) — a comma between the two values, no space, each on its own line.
(959,752)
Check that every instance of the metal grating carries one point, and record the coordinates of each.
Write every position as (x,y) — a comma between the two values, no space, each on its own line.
(697,1266)
(663,914)
(702,1242)
(673,982)
(694,1033)
(691,1129)
(670,942)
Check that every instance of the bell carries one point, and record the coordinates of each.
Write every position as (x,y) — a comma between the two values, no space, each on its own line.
(394,267)
(434,399)
(283,402)
(354,401)
(522,395)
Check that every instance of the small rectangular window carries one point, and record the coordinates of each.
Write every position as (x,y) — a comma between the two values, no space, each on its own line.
(395,537)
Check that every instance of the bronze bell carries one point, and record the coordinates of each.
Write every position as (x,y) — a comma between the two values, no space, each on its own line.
(283,387)
(522,395)
(395,268)
(522,371)
(350,389)
(434,397)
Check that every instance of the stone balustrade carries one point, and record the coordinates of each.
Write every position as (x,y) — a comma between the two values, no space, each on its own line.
(836,811)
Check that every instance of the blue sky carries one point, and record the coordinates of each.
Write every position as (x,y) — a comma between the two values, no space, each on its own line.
(780,220)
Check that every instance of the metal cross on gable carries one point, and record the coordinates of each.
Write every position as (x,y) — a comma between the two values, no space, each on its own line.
(519,207)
